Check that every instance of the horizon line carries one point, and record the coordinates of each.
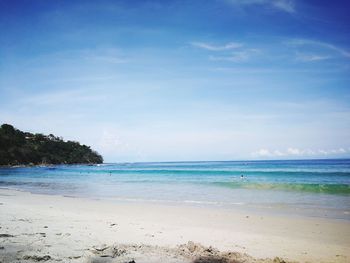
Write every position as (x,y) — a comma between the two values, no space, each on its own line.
(253,160)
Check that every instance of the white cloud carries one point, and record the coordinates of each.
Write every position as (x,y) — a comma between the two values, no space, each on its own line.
(309,152)
(287,6)
(105,55)
(293,151)
(299,152)
(262,153)
(311,57)
(111,141)
(323,152)
(284,5)
(234,52)
(319,44)
(341,150)
(277,153)
(234,57)
(109,59)
(238,56)
(207,46)
(64,97)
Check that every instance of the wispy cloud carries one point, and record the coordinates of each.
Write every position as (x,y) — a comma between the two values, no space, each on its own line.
(287,6)
(109,59)
(211,47)
(232,51)
(284,5)
(296,152)
(104,55)
(311,57)
(238,56)
(63,97)
(319,44)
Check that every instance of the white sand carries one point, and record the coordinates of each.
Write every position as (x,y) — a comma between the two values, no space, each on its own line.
(70,230)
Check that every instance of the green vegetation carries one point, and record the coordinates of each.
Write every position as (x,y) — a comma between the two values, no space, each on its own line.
(24,148)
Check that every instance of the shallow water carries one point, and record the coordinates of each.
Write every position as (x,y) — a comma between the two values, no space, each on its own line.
(319,188)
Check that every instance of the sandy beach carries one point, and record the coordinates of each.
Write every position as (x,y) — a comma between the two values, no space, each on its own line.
(56,228)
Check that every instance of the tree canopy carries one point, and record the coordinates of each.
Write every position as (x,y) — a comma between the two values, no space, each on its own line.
(24,148)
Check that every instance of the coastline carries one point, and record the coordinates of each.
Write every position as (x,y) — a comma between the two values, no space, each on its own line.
(82,230)
(45,165)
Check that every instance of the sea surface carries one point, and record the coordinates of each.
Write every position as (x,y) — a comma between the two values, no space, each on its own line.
(316,188)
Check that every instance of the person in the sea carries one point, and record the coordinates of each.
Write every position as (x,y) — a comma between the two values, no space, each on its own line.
(242,177)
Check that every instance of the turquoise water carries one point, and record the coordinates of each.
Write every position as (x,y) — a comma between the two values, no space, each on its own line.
(318,188)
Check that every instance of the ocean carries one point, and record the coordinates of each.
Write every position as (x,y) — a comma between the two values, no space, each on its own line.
(314,188)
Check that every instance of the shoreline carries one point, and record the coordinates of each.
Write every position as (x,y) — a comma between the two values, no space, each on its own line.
(94,223)
(232,207)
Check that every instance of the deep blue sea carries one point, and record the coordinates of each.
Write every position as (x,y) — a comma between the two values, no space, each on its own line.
(317,188)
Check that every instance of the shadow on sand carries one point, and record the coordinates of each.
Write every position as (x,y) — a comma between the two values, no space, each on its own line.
(214,259)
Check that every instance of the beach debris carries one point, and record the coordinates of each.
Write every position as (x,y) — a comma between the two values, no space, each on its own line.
(118,252)
(201,254)
(97,250)
(24,220)
(278,260)
(102,251)
(37,258)
(6,235)
(188,252)
(74,257)
(192,249)
(108,251)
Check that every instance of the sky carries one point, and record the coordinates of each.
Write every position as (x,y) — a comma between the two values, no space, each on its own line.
(180,80)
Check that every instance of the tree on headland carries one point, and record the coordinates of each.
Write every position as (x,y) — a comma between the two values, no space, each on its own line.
(24,148)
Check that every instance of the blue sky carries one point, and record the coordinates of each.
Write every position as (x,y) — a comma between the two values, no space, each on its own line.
(180,80)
